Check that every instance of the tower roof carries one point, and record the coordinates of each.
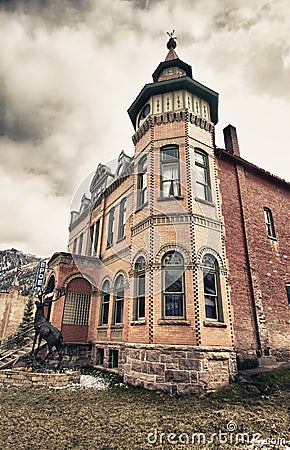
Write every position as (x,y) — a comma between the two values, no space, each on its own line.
(171,75)
(179,67)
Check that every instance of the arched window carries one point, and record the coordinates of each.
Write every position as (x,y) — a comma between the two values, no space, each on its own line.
(142,182)
(173,285)
(269,223)
(139,312)
(211,285)
(203,191)
(105,303)
(170,185)
(119,299)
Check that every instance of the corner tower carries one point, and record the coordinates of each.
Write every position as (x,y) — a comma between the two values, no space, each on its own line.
(177,224)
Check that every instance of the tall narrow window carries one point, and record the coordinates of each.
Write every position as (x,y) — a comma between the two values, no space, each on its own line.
(213,310)
(142,182)
(122,219)
(81,243)
(119,299)
(203,191)
(173,285)
(269,223)
(75,245)
(140,288)
(111,227)
(92,232)
(288,292)
(96,236)
(105,303)
(170,186)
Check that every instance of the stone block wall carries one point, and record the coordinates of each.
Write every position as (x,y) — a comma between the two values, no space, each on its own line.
(175,369)
(19,378)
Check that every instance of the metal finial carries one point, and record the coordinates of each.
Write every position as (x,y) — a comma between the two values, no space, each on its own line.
(171,43)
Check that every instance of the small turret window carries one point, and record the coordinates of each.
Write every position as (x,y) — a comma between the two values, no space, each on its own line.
(170,185)
(203,191)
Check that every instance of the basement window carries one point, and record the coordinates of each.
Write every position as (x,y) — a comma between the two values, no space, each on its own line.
(100,357)
(113,359)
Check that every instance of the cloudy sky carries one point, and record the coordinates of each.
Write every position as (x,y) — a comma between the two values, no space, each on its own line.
(69,70)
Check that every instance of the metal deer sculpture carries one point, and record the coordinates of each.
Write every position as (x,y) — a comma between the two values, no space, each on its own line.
(44,329)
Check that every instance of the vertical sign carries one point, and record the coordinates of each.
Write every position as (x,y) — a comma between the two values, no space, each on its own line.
(40,276)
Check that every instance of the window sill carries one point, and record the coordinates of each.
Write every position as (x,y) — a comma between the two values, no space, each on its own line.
(109,246)
(102,327)
(117,326)
(208,323)
(138,322)
(141,207)
(182,322)
(272,238)
(206,202)
(170,198)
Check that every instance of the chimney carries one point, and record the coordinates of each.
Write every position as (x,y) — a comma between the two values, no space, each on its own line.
(231,140)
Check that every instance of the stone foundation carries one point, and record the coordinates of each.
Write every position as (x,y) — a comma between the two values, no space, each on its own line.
(19,378)
(175,369)
(76,356)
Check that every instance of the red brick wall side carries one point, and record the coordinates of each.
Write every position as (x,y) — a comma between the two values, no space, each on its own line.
(239,278)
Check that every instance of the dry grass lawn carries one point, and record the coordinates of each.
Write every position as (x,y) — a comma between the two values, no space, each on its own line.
(121,417)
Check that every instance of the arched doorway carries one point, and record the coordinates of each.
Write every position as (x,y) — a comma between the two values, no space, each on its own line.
(76,311)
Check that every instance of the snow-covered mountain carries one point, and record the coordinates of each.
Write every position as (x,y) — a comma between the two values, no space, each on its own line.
(9,261)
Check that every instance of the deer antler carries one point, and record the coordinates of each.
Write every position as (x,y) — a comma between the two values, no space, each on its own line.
(60,293)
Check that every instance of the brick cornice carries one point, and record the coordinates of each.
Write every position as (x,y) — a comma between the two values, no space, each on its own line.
(171,117)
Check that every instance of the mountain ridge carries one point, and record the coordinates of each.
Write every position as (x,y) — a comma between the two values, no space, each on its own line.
(9,262)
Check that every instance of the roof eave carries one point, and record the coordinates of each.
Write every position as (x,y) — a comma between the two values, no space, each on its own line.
(168,86)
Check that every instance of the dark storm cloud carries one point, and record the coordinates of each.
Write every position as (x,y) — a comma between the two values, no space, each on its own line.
(70,69)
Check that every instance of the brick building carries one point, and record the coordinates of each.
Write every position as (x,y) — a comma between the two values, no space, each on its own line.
(177,262)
